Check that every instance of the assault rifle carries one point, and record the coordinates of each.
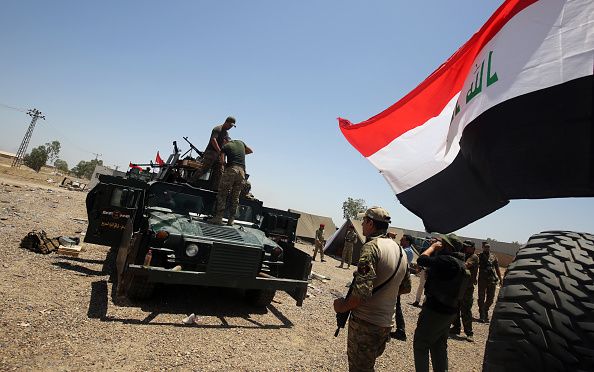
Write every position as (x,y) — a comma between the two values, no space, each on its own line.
(341,318)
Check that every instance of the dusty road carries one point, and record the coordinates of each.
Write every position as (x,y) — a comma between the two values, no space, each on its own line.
(57,312)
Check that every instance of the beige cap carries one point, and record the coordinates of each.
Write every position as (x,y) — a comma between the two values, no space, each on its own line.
(377,214)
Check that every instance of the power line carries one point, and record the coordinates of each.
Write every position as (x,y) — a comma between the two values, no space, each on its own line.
(13,108)
(64,137)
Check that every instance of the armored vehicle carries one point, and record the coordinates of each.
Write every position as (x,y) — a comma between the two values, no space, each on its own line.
(161,235)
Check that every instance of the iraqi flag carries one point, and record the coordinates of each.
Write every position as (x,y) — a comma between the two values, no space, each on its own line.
(508,116)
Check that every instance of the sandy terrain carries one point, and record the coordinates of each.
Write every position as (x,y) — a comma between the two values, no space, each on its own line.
(57,312)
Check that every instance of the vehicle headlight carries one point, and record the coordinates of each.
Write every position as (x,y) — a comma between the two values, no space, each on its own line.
(192,249)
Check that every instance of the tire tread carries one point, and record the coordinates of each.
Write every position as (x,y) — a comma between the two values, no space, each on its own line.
(544,318)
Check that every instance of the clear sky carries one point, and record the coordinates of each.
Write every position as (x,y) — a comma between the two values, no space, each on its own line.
(126,78)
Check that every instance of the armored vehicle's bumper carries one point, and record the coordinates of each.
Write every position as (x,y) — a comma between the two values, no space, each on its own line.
(262,281)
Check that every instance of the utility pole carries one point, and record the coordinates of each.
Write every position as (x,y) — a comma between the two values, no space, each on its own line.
(35,114)
(96,155)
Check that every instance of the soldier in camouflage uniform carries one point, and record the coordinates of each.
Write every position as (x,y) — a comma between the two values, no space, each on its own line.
(347,251)
(376,283)
(319,243)
(488,277)
(232,180)
(210,159)
(246,190)
(472,263)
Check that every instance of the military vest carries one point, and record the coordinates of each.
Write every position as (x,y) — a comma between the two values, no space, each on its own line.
(379,308)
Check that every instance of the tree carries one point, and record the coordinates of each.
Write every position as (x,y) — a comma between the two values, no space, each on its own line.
(52,149)
(351,207)
(61,165)
(36,159)
(84,169)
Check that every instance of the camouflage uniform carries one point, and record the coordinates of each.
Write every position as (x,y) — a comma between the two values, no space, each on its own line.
(319,243)
(363,347)
(347,252)
(371,322)
(472,263)
(487,282)
(232,180)
(230,185)
(246,190)
(210,159)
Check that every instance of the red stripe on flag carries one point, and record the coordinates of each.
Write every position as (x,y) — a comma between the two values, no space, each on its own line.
(132,165)
(158,159)
(429,98)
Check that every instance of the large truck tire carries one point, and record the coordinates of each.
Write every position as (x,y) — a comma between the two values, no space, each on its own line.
(544,316)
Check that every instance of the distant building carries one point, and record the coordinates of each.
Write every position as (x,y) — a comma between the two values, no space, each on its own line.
(505,252)
(7,155)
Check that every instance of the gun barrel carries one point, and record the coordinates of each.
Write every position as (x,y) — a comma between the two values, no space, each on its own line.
(342,318)
(193,147)
(149,165)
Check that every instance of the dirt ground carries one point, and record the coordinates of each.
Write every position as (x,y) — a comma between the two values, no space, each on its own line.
(57,312)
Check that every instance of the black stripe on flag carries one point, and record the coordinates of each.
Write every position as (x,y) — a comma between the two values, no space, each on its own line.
(538,145)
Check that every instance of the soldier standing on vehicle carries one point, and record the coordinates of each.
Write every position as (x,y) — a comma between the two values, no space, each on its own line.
(376,284)
(319,243)
(211,158)
(488,277)
(472,264)
(232,180)
(447,278)
(347,251)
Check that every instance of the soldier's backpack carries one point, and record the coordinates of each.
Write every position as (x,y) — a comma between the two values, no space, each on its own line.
(37,241)
(450,292)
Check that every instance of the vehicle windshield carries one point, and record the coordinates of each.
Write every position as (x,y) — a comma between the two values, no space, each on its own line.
(181,200)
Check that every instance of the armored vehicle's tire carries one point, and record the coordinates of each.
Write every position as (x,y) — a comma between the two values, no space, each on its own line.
(259,297)
(544,316)
(140,288)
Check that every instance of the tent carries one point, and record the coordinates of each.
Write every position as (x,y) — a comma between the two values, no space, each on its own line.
(308,224)
(335,244)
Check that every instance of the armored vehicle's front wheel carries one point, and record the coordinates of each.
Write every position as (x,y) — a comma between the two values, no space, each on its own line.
(544,316)
(259,297)
(140,288)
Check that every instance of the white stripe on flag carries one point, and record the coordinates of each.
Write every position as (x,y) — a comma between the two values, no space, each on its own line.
(417,154)
(547,44)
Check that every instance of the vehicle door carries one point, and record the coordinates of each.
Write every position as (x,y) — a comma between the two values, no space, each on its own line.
(111,205)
